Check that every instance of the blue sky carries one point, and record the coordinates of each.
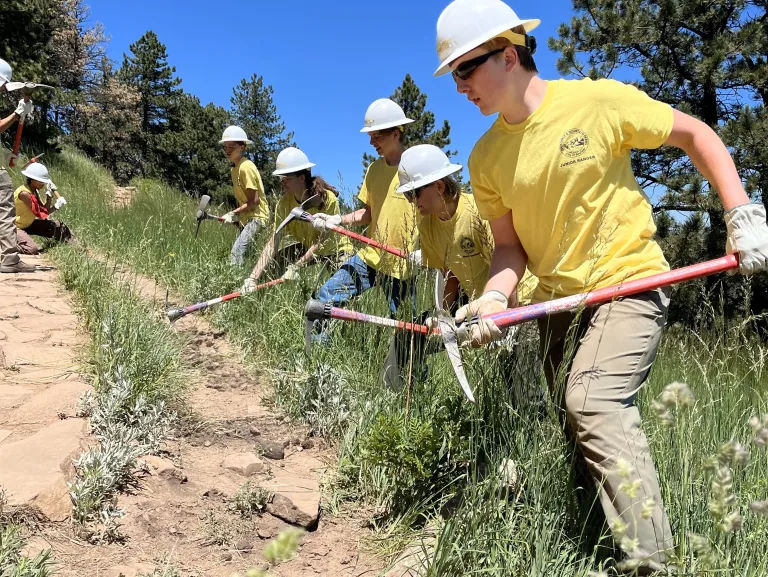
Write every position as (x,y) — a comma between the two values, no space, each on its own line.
(327,61)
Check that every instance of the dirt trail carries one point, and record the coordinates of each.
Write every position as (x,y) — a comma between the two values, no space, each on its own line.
(39,389)
(182,511)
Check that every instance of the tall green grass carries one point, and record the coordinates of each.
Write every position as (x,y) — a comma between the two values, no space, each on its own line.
(426,460)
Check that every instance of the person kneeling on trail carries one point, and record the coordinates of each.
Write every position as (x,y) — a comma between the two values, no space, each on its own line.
(253,211)
(295,172)
(32,212)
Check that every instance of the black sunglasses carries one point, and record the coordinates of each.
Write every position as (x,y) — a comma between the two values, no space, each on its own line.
(415,193)
(464,70)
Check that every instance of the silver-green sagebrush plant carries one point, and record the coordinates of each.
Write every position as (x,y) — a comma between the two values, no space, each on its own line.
(134,362)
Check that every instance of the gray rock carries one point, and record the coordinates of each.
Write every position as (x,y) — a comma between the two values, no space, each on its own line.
(270,449)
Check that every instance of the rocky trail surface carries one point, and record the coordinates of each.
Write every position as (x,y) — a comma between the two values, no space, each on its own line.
(182,512)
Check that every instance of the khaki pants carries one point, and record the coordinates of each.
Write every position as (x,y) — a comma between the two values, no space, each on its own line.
(26,244)
(595,364)
(9,251)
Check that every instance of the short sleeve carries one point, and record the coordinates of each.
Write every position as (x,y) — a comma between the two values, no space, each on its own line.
(642,122)
(280,213)
(363,194)
(250,177)
(489,202)
(331,203)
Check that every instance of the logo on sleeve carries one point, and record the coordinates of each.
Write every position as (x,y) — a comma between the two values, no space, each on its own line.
(575,144)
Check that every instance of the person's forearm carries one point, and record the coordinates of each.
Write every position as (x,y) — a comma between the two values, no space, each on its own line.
(8,121)
(359,217)
(308,256)
(267,255)
(712,159)
(507,268)
(252,202)
(451,292)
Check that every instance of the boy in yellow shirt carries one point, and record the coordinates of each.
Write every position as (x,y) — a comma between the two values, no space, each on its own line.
(390,218)
(553,177)
(253,212)
(299,185)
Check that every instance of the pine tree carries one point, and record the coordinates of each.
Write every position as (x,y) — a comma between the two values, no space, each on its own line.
(199,165)
(147,69)
(107,125)
(254,110)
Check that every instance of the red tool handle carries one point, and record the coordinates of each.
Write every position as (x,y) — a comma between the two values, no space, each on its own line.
(175,314)
(369,241)
(520,315)
(17,142)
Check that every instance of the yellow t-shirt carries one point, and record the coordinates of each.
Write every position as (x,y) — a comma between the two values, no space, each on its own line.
(464,245)
(565,175)
(393,219)
(304,232)
(24,216)
(245,175)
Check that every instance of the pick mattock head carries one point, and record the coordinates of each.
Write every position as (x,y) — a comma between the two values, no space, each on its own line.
(449,336)
(25,87)
(201,215)
(297,213)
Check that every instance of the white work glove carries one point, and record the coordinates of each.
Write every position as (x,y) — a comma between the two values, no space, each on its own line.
(414,259)
(49,189)
(248,286)
(748,235)
(24,109)
(291,273)
(61,201)
(231,217)
(322,221)
(482,331)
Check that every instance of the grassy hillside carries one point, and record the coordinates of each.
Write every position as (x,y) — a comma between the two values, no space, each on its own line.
(425,459)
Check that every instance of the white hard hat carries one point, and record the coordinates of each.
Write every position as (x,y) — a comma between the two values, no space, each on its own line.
(38,172)
(5,72)
(384,113)
(291,160)
(234,134)
(423,164)
(466,24)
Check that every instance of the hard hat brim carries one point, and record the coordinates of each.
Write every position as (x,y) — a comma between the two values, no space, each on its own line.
(386,125)
(235,140)
(293,169)
(434,177)
(445,65)
(35,177)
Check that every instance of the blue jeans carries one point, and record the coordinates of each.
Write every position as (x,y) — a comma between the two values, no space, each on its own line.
(353,279)
(244,239)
